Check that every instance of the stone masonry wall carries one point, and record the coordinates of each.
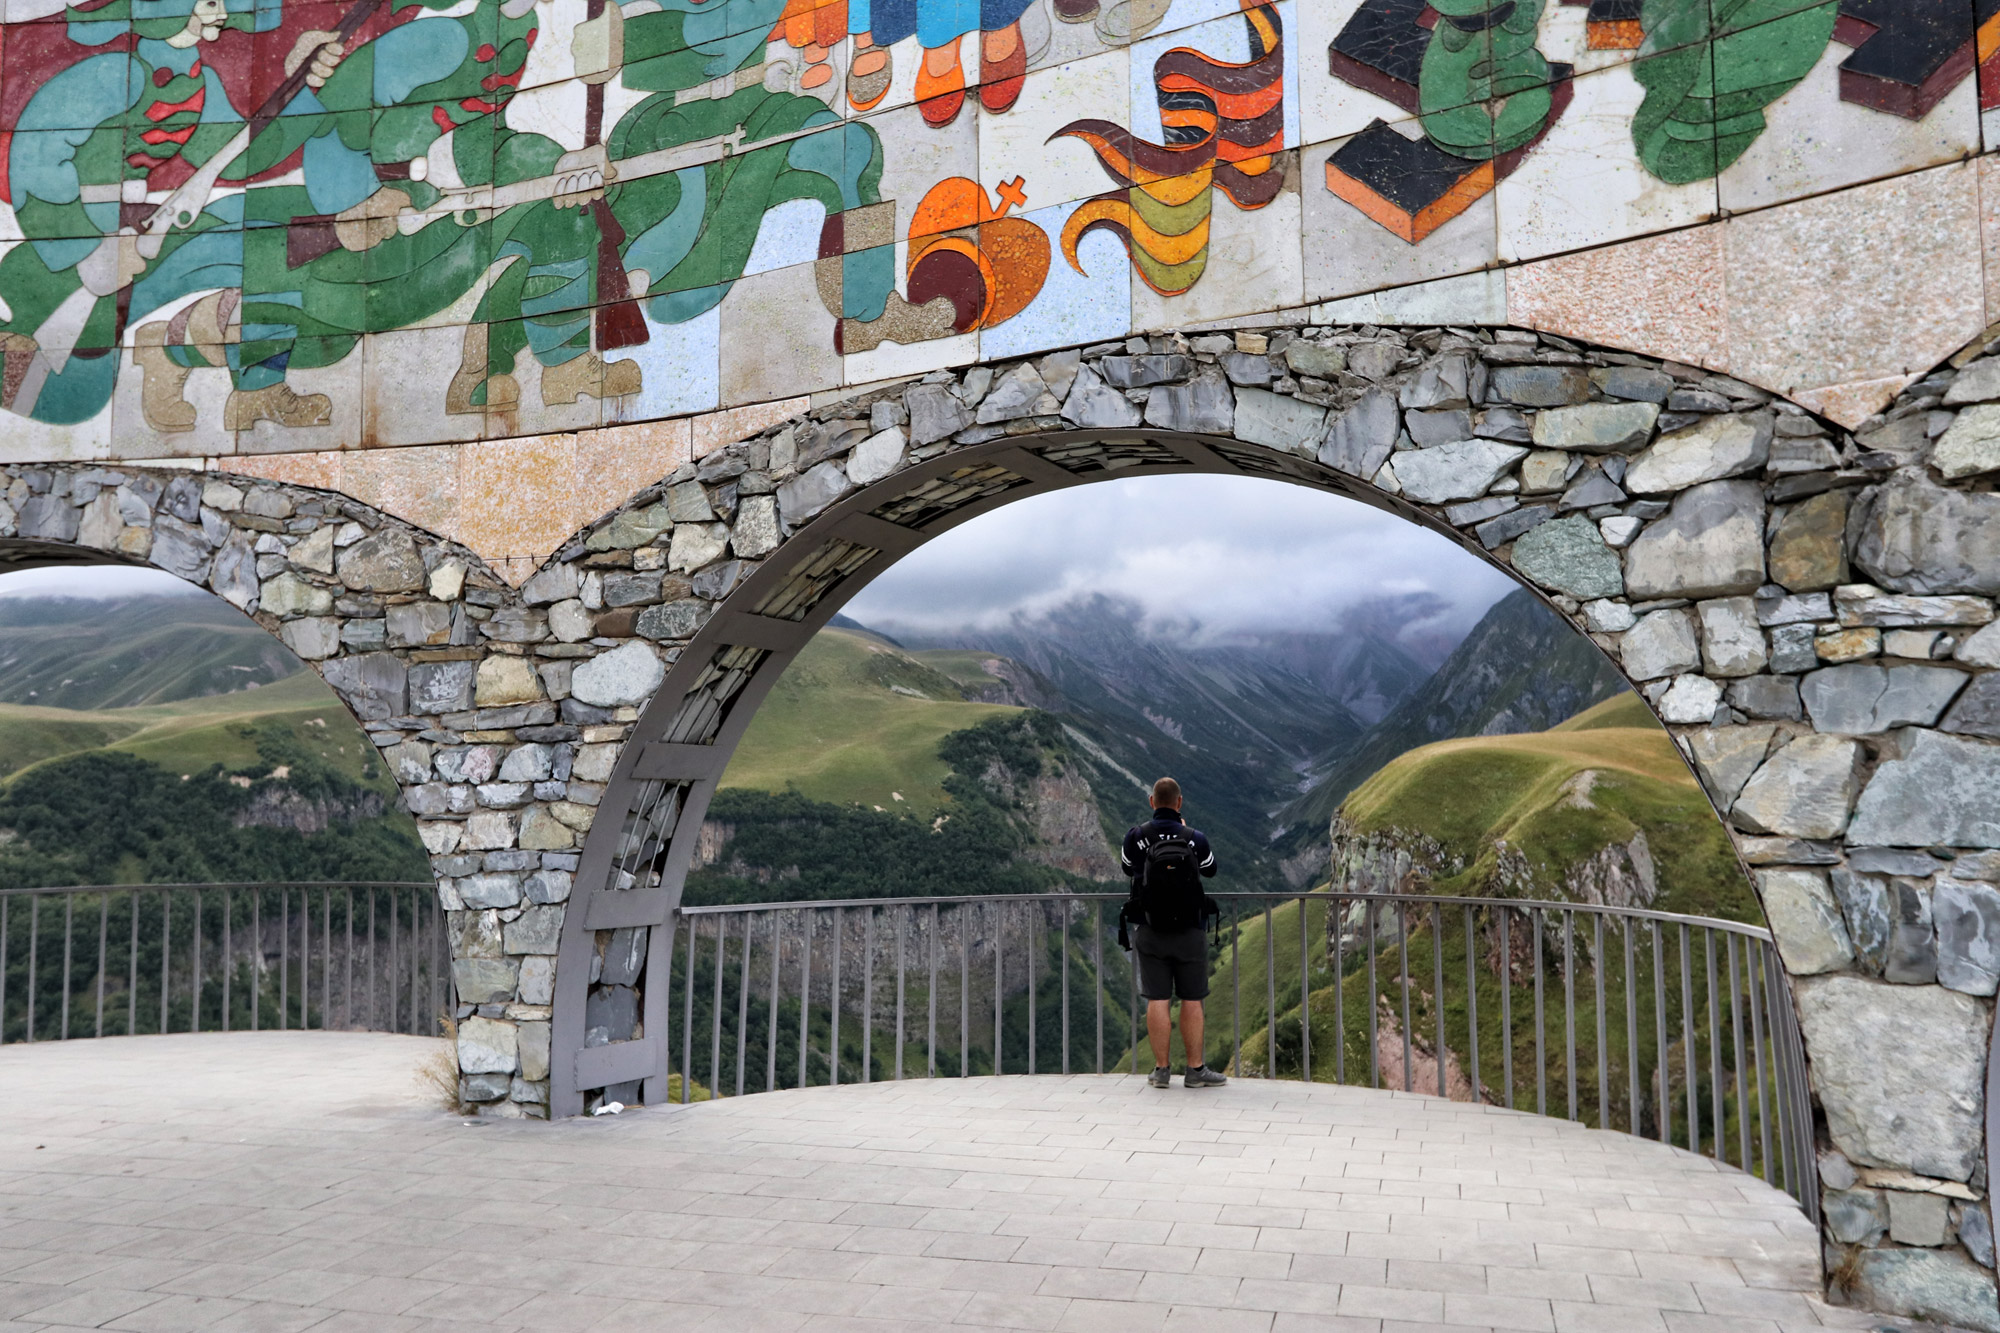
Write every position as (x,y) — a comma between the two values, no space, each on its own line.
(1809,609)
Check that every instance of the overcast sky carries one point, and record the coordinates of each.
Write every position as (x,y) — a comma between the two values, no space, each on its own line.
(96,581)
(1235,553)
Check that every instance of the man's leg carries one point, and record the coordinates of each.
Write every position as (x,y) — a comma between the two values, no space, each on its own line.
(1160,1027)
(1191,1032)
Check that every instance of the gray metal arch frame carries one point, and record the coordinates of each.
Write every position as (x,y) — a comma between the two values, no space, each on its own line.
(693,770)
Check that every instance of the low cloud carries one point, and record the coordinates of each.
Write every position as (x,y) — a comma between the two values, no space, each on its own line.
(1236,554)
(97,582)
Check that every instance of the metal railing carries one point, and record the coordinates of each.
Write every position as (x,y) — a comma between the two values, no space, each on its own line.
(104,960)
(1672,1027)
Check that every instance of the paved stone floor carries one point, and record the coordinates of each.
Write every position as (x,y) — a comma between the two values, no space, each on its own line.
(299,1181)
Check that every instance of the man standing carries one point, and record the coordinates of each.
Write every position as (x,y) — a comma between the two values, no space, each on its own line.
(1167,861)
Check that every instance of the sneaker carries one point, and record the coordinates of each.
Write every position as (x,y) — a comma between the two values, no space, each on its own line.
(1202,1077)
(1160,1077)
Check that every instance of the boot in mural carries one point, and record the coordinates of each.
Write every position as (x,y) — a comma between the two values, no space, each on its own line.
(162,382)
(277,403)
(473,387)
(589,374)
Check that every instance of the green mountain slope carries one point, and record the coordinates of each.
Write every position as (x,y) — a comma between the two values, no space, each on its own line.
(123,652)
(855,720)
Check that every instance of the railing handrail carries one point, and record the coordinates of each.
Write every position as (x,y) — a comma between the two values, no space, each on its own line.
(1299,895)
(230,884)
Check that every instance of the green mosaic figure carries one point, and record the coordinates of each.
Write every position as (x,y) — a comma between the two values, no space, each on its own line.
(1709,68)
(1483,89)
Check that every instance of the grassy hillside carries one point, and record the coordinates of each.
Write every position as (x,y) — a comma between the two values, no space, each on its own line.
(189,735)
(123,652)
(856,719)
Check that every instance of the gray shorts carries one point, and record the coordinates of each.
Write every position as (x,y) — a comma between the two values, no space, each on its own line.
(1172,964)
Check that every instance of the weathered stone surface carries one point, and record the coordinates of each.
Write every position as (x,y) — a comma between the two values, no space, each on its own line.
(935,413)
(1943,791)
(674,620)
(177,548)
(1139,372)
(1019,393)
(1661,644)
(485,980)
(441,687)
(697,544)
(756,531)
(1977,711)
(1363,435)
(1638,383)
(537,930)
(1710,543)
(1971,446)
(1606,616)
(314,638)
(1928,1284)
(1732,643)
(1910,956)
(1772,697)
(1596,428)
(1204,403)
(289,595)
(533,1043)
(626,675)
(504,680)
(883,452)
(1541,386)
(633,528)
(385,562)
(1320,360)
(1804,920)
(1861,698)
(1725,757)
(1459,472)
(1453,380)
(1884,1108)
(1910,535)
(1710,449)
(1279,421)
(1967,918)
(810,492)
(1095,405)
(1566,554)
(487,1046)
(1975,1232)
(1545,470)
(1690,701)
(1864,604)
(1977,383)
(1429,428)
(610,1014)
(1805,790)
(1864,907)
(1855,1217)
(49,518)
(375,685)
(1918,1219)
(1847,645)
(1809,548)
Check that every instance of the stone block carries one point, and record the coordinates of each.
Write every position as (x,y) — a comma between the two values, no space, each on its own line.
(1567,555)
(611,1013)
(1540,386)
(1971,445)
(1709,450)
(1318,360)
(1805,921)
(1864,907)
(1545,470)
(624,956)
(538,979)
(1452,381)
(1847,645)
(1809,546)
(1710,543)
(495,890)
(1690,701)
(487,1046)
(1767,697)
(313,638)
(1911,644)
(289,595)
(1363,436)
(528,763)
(375,685)
(1725,757)
(533,1044)
(1863,604)
(1792,648)
(1943,791)
(543,831)
(442,687)
(555,583)
(1202,405)
(1140,372)
(476,1088)
(1279,422)
(1596,428)
(810,492)
(626,675)
(1939,1285)
(1094,405)
(1426,428)
(504,679)
(1860,699)
(1967,916)
(489,830)
(388,561)
(1910,957)
(538,930)
(1918,1219)
(1855,1217)
(1732,643)
(1900,1071)
(1975,1232)
(1805,790)
(484,980)
(418,624)
(1459,471)
(1661,644)
(1911,535)
(473,934)
(1977,711)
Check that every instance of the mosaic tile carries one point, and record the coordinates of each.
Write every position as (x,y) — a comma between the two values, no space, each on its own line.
(1819,135)
(708,433)
(516,495)
(777,339)
(405,397)
(1470,298)
(1852,404)
(1387,227)
(418,485)
(1989,231)
(1027,144)
(1088,301)
(1260,253)
(1579,186)
(325,471)
(1863,284)
(1664,295)
(611,464)
(678,368)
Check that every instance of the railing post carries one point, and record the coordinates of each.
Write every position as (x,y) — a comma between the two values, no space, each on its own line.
(1374,1001)
(1236,1004)
(1569,1007)
(771,1019)
(69,917)
(1270,997)
(1403,966)
(228,955)
(687,1013)
(131,966)
(1336,914)
(1603,1060)
(1034,907)
(930,1003)
(867,992)
(902,948)
(346,972)
(6,942)
(964,916)
(1472,1001)
(1666,1116)
(1097,954)
(1507,1001)
(1631,1035)
(1065,906)
(194,1013)
(103,922)
(285,960)
(34,947)
(1715,1096)
(1537,923)
(743,1001)
(1305,994)
(1687,1047)
(805,987)
(166,958)
(715,1008)
(839,924)
(1437,993)
(999,1044)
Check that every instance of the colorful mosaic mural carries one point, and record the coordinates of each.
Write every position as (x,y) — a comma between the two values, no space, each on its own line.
(309,225)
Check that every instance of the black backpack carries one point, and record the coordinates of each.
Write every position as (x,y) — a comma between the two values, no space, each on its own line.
(1169,888)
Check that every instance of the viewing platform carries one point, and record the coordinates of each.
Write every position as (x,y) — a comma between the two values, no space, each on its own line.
(290,1181)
